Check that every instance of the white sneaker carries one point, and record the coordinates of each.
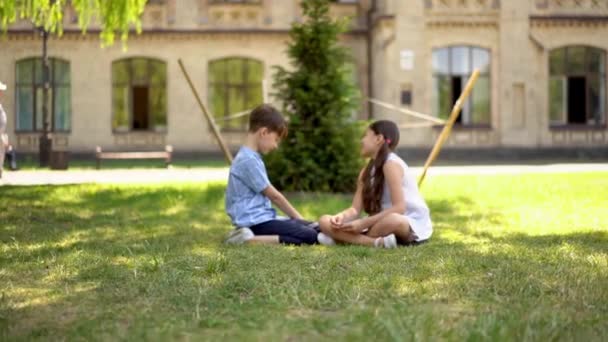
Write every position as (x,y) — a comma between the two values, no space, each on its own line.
(239,236)
(390,241)
(325,239)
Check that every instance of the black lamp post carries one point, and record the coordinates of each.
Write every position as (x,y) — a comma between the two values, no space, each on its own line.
(45,141)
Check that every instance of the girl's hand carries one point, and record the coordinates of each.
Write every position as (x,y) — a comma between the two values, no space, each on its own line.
(355,226)
(336,221)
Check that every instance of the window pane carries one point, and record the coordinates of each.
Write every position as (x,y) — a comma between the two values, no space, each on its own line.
(120,104)
(236,100)
(441,61)
(158,73)
(481,101)
(62,108)
(217,71)
(217,98)
(460,60)
(596,60)
(158,106)
(481,60)
(557,100)
(557,61)
(120,72)
(62,72)
(25,72)
(235,85)
(467,105)
(256,72)
(576,60)
(236,103)
(140,70)
(441,96)
(254,96)
(25,108)
(235,71)
(597,91)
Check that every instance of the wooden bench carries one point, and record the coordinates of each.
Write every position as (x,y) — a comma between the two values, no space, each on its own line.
(166,155)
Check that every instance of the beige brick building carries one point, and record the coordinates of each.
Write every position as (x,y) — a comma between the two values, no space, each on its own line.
(543,64)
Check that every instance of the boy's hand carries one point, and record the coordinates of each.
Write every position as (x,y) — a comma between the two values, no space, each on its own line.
(336,221)
(355,226)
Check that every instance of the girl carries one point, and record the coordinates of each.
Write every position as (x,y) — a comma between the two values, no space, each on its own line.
(388,193)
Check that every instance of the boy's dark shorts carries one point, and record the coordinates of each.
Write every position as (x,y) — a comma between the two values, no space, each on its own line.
(291,231)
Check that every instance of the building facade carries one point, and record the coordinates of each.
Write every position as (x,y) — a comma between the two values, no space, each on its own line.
(542,62)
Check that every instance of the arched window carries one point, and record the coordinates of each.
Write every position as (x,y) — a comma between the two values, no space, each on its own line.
(139,94)
(29,89)
(235,85)
(577,86)
(452,68)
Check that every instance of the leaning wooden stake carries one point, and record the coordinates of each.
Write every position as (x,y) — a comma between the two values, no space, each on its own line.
(445,132)
(210,121)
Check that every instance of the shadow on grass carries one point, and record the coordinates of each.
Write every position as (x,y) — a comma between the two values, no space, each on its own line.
(95,262)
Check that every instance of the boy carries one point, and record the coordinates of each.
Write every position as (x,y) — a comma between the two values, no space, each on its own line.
(249,193)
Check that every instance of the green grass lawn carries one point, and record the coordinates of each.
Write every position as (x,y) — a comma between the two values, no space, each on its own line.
(512,258)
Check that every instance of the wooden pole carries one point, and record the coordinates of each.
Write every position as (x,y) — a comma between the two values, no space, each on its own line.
(210,121)
(445,132)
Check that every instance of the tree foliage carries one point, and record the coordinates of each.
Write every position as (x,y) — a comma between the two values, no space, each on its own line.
(320,97)
(114,17)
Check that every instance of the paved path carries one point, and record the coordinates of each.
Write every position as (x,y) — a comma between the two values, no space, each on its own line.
(132,176)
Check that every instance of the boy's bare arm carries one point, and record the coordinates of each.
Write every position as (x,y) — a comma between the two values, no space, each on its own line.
(280,201)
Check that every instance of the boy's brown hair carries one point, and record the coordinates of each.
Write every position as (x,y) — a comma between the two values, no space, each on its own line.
(267,116)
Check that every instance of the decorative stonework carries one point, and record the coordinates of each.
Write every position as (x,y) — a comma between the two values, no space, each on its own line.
(70,17)
(155,16)
(571,5)
(598,137)
(470,137)
(476,13)
(569,13)
(559,138)
(578,137)
(456,7)
(235,14)
(171,11)
(570,8)
(28,142)
(469,21)
(140,139)
(347,10)
(549,21)
(341,10)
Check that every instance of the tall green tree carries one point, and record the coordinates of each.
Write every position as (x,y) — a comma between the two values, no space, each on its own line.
(320,97)
(114,16)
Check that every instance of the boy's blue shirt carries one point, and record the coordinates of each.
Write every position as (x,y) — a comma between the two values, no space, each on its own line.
(245,203)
